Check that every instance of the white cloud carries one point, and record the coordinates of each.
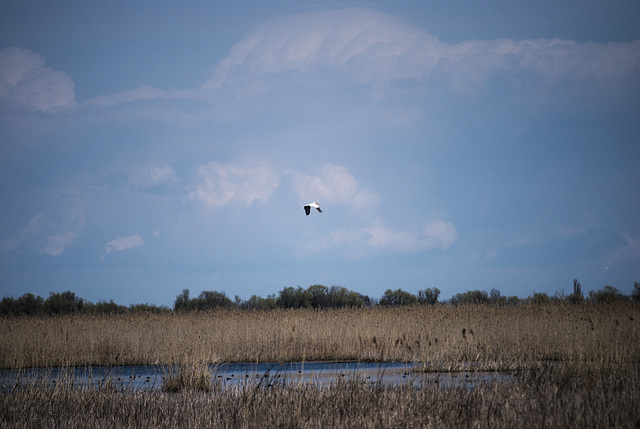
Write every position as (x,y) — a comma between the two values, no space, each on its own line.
(158,176)
(370,48)
(123,243)
(221,184)
(144,92)
(366,45)
(58,243)
(352,240)
(334,185)
(437,234)
(63,211)
(376,237)
(28,232)
(26,82)
(374,50)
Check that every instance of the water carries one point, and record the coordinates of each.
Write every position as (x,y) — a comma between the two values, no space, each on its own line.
(235,374)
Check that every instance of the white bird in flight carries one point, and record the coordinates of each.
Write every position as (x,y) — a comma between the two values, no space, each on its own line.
(313,205)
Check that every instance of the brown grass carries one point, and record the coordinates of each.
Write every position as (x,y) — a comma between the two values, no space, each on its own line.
(188,377)
(553,398)
(442,337)
(578,366)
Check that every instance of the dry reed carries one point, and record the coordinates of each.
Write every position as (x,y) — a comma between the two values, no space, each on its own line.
(553,398)
(188,377)
(578,366)
(442,337)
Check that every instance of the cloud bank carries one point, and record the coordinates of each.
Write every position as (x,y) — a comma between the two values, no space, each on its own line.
(123,243)
(371,48)
(379,52)
(25,82)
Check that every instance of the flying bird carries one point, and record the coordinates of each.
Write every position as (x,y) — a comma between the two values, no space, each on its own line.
(314,205)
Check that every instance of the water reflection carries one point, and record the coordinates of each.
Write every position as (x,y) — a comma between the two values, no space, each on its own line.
(236,374)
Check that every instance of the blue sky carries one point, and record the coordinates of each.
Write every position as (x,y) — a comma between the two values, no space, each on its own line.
(149,147)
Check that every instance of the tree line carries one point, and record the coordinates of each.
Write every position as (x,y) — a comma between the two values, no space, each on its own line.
(68,303)
(315,297)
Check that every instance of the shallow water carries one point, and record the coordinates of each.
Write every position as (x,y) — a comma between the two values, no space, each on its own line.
(236,374)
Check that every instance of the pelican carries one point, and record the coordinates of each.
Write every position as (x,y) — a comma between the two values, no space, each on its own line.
(310,206)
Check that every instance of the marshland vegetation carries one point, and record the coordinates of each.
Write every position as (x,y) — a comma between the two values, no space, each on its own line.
(575,365)
(443,337)
(557,397)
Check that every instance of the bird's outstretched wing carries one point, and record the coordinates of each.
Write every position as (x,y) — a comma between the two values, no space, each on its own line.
(318,208)
(307,210)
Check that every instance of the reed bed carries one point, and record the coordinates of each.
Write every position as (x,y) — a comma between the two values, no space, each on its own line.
(552,398)
(443,337)
(574,366)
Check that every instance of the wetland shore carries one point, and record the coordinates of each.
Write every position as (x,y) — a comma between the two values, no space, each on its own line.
(574,366)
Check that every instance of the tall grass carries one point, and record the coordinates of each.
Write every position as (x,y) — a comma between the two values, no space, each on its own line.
(197,376)
(554,398)
(442,337)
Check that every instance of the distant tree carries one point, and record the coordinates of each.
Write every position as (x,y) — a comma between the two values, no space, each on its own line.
(397,297)
(340,297)
(270,302)
(607,294)
(576,297)
(513,300)
(26,305)
(63,303)
(577,287)
(29,304)
(250,304)
(428,296)
(290,297)
(146,308)
(540,298)
(258,303)
(635,295)
(7,306)
(315,296)
(182,301)
(495,297)
(471,297)
(318,296)
(366,300)
(209,300)
(104,307)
